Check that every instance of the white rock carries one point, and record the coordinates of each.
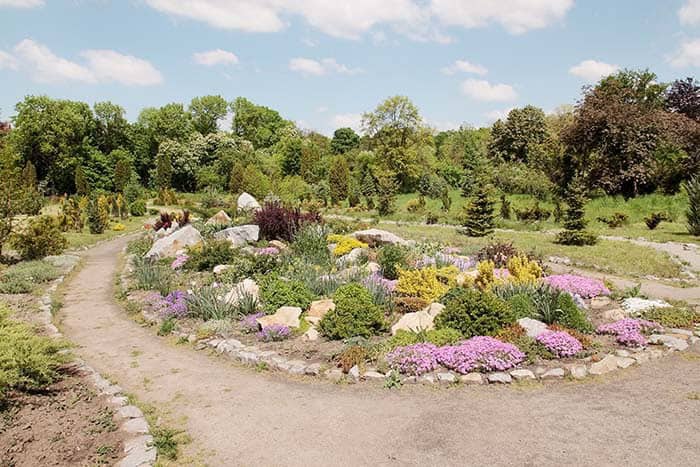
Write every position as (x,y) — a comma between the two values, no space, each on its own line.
(169,245)
(135,425)
(219,268)
(374,375)
(319,309)
(247,202)
(499,378)
(606,365)
(354,373)
(635,305)
(415,321)
(352,257)
(472,378)
(311,335)
(446,378)
(220,218)
(239,235)
(522,374)
(532,327)
(554,373)
(129,411)
(373,267)
(284,316)
(625,362)
(243,288)
(671,342)
(376,237)
(578,371)
(434,309)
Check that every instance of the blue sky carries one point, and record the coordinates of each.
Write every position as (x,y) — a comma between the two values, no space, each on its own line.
(322,63)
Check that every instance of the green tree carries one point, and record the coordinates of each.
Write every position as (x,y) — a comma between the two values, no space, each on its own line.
(98,214)
(692,214)
(479,214)
(387,188)
(122,174)
(338,179)
(574,232)
(82,187)
(344,140)
(513,139)
(29,176)
(206,112)
(112,130)
(164,170)
(289,149)
(260,125)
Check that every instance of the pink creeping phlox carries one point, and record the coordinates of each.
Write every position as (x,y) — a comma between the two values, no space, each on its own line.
(415,359)
(179,261)
(560,343)
(585,287)
(480,353)
(628,331)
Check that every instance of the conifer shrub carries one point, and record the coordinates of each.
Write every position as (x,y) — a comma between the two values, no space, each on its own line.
(391,258)
(692,214)
(276,292)
(478,217)
(473,313)
(98,214)
(138,208)
(204,257)
(355,314)
(574,221)
(41,237)
(505,207)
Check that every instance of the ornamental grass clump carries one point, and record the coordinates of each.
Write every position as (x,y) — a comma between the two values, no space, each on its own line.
(415,359)
(560,343)
(480,353)
(584,287)
(274,333)
(629,331)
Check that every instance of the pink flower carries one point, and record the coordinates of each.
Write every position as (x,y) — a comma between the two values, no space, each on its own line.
(585,287)
(480,353)
(628,331)
(560,343)
(413,359)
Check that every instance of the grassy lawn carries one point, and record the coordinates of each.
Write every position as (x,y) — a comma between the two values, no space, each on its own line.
(636,209)
(85,238)
(615,257)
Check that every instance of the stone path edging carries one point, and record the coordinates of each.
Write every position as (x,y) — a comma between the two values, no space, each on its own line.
(138,447)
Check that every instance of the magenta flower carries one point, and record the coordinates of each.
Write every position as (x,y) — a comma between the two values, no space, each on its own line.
(274,333)
(560,343)
(267,251)
(585,287)
(249,324)
(628,331)
(415,359)
(480,353)
(179,261)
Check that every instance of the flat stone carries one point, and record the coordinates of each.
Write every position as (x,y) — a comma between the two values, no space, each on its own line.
(554,373)
(427,379)
(129,411)
(532,327)
(112,389)
(625,362)
(118,400)
(169,245)
(377,237)
(280,245)
(499,378)
(239,235)
(409,380)
(220,218)
(522,374)
(135,425)
(319,308)
(616,314)
(472,378)
(682,332)
(247,202)
(671,342)
(373,375)
(635,305)
(284,316)
(578,371)
(334,374)
(623,353)
(641,357)
(139,452)
(313,370)
(606,365)
(598,303)
(446,378)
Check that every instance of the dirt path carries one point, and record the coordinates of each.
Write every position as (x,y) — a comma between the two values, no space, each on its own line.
(642,416)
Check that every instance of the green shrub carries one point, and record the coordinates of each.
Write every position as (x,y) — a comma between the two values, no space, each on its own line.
(444,336)
(692,214)
(98,214)
(522,306)
(570,315)
(42,237)
(241,266)
(167,327)
(276,292)
(138,208)
(140,246)
(403,338)
(205,256)
(672,317)
(27,361)
(473,313)
(23,277)
(355,314)
(391,258)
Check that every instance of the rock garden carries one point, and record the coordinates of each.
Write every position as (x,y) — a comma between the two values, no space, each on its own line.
(286,290)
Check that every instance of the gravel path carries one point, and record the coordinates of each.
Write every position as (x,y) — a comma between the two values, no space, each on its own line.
(644,416)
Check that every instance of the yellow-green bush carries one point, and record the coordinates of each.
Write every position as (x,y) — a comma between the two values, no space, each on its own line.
(428,284)
(486,277)
(344,244)
(523,270)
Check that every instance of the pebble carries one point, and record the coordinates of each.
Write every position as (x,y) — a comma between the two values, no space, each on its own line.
(427,379)
(354,374)
(578,371)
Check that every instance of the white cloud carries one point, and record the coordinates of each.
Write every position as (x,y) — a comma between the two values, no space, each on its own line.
(690,12)
(441,125)
(215,57)
(21,3)
(110,66)
(592,70)
(322,109)
(309,66)
(501,114)
(482,90)
(464,66)
(102,66)
(688,55)
(516,16)
(348,120)
(7,61)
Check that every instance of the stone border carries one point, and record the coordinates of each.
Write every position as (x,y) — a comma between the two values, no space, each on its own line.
(671,340)
(139,450)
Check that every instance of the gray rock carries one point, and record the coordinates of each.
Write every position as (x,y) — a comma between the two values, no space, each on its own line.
(499,378)
(673,343)
(139,452)
(625,362)
(606,365)
(354,374)
(427,379)
(352,257)
(683,332)
(623,353)
(446,378)
(578,371)
(247,202)
(239,235)
(334,374)
(135,425)
(373,375)
(377,237)
(471,378)
(169,245)
(313,370)
(129,411)
(641,357)
(554,373)
(522,374)
(532,327)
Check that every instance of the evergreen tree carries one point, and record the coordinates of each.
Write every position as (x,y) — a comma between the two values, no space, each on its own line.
(479,214)
(235,183)
(29,175)
(386,194)
(81,184)
(164,170)
(505,207)
(98,214)
(338,179)
(574,218)
(692,187)
(122,175)
(368,189)
(354,192)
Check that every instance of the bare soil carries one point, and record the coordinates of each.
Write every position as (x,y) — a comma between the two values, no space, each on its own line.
(65,425)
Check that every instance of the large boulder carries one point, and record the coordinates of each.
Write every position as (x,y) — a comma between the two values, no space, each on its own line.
(376,237)
(532,327)
(220,218)
(247,287)
(636,305)
(284,316)
(169,246)
(239,235)
(416,321)
(318,310)
(247,202)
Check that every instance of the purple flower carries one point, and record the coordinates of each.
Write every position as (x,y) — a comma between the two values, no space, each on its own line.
(628,331)
(586,287)
(413,359)
(377,281)
(480,353)
(173,305)
(249,324)
(274,333)
(560,343)
(179,261)
(267,251)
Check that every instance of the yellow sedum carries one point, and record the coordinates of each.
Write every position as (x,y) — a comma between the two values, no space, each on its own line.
(344,244)
(428,284)
(523,270)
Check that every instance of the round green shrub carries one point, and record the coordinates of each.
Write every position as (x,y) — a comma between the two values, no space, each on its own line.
(355,314)
(390,259)
(522,306)
(276,292)
(570,315)
(444,336)
(212,253)
(473,313)
(42,237)
(138,208)
(403,338)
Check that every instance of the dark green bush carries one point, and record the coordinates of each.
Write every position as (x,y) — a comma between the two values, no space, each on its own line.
(570,315)
(535,213)
(473,313)
(24,276)
(576,238)
(522,306)
(618,219)
(390,259)
(355,314)
(138,208)
(276,292)
(98,214)
(212,253)
(42,237)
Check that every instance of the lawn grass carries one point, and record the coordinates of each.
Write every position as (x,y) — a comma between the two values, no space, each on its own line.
(619,258)
(85,238)
(636,209)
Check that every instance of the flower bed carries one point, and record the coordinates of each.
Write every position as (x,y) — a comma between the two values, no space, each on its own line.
(584,287)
